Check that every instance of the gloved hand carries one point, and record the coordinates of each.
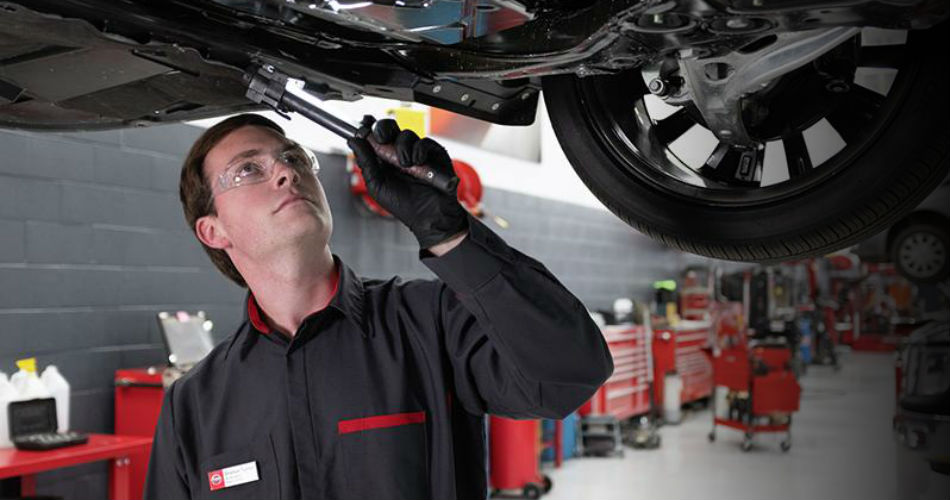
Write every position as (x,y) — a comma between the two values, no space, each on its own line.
(431,215)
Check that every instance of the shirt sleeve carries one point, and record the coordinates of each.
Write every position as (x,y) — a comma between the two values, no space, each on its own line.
(165,479)
(519,343)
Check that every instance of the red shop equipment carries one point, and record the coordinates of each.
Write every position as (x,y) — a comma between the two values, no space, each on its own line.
(138,402)
(763,392)
(515,450)
(696,294)
(627,392)
(679,348)
(469,188)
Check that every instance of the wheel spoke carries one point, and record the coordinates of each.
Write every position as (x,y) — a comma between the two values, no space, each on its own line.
(796,154)
(881,56)
(855,110)
(734,165)
(716,157)
(672,127)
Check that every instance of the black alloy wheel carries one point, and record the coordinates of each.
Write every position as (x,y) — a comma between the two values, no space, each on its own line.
(846,145)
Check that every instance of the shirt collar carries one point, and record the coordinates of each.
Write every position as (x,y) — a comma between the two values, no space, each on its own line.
(347,299)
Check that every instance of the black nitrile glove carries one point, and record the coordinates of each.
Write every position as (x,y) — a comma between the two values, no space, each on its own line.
(431,215)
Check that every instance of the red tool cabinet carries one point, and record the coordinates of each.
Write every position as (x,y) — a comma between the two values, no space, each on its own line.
(627,392)
(138,401)
(680,348)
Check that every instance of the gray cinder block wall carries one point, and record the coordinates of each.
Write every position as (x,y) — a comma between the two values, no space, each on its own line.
(93,244)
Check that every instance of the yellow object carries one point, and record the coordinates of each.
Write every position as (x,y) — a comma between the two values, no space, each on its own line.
(410,119)
(27,365)
(671,316)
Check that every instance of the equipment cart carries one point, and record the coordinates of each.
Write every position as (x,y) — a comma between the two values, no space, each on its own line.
(756,391)
(515,449)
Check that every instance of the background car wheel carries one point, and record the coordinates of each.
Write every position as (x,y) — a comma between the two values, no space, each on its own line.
(894,149)
(921,252)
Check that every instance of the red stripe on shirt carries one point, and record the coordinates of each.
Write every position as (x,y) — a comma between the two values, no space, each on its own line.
(380,422)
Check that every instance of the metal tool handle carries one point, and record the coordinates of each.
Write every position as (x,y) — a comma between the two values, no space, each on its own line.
(269,87)
(439,180)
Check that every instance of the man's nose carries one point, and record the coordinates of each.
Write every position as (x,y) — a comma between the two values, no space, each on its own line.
(286,174)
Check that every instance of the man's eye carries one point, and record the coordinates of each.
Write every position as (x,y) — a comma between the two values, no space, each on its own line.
(294,159)
(249,169)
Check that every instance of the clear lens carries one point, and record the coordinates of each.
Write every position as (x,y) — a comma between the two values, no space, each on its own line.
(260,168)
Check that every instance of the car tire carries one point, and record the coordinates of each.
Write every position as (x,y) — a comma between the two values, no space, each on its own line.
(879,180)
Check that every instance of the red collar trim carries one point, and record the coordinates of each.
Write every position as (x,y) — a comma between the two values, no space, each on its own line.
(254,314)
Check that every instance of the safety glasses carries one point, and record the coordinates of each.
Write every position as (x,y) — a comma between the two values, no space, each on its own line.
(255,167)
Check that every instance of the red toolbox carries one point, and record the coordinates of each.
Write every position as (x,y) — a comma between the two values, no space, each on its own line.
(138,402)
(627,392)
(680,348)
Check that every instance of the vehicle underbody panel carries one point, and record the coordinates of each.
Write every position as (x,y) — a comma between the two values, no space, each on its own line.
(87,64)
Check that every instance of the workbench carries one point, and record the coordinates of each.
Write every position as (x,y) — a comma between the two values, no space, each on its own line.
(119,450)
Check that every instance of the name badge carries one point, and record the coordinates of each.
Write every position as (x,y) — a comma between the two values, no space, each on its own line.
(233,476)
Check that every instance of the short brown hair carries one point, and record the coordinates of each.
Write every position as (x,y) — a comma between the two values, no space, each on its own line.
(195,192)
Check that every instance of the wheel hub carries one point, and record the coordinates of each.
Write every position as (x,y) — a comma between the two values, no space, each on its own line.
(922,254)
(718,85)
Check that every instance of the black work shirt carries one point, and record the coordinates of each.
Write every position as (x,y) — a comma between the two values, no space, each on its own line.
(383,393)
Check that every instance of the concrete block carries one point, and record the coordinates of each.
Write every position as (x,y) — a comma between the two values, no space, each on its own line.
(33,199)
(57,159)
(53,243)
(174,140)
(42,332)
(17,154)
(120,246)
(113,166)
(12,241)
(143,356)
(28,288)
(119,206)
(93,410)
(165,173)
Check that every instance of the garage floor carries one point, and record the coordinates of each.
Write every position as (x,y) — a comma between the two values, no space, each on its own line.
(842,448)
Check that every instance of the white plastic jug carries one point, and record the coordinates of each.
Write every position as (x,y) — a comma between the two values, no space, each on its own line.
(58,387)
(26,382)
(722,401)
(672,389)
(8,394)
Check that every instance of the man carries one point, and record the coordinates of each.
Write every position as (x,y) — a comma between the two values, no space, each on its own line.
(336,386)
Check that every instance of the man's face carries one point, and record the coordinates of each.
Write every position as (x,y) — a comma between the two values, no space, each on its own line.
(287,211)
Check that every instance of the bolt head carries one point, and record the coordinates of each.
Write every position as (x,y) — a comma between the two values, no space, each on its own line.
(657,86)
(436,89)
(464,97)
(737,23)
(837,87)
(494,107)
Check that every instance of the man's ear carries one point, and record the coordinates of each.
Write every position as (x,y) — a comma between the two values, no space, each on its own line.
(210,233)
